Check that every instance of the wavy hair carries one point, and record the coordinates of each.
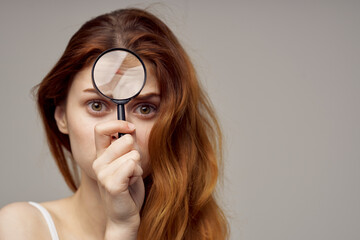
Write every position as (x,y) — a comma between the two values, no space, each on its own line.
(185,144)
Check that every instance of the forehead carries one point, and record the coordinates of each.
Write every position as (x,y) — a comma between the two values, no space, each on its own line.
(83,80)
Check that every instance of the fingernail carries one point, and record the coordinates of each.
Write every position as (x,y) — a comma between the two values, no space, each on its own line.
(131,126)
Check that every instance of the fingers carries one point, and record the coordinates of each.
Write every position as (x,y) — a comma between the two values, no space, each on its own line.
(118,148)
(107,151)
(113,166)
(133,154)
(116,177)
(104,132)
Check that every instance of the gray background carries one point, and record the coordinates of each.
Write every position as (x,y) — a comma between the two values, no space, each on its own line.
(284,77)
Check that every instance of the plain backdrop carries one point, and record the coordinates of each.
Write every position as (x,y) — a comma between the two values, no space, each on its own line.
(284,77)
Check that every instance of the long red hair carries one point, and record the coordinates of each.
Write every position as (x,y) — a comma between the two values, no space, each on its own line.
(185,143)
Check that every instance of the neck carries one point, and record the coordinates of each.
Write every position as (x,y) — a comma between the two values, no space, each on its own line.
(88,207)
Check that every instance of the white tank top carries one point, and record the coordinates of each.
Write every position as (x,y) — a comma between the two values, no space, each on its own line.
(48,219)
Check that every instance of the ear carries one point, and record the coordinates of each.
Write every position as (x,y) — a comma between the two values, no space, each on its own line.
(60,117)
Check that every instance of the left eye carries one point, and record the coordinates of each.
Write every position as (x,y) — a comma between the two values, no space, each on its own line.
(145,109)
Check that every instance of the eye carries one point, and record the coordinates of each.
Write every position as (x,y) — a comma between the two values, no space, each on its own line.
(146,110)
(96,106)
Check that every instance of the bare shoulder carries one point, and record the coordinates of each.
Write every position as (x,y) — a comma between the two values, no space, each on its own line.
(22,221)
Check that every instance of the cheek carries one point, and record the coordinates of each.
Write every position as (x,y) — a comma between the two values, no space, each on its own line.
(81,134)
(143,130)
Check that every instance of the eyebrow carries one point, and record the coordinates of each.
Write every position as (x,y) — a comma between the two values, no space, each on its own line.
(147,96)
(91,90)
(94,91)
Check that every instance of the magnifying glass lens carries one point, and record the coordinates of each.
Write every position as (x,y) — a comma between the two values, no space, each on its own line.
(119,74)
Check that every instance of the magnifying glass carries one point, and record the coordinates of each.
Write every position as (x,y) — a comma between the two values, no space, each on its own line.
(119,75)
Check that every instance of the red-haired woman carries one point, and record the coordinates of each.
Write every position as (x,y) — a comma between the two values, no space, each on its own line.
(155,182)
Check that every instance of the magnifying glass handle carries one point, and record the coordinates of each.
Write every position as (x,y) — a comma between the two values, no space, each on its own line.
(120,115)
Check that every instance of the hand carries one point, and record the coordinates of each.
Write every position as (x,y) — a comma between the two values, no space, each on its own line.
(119,174)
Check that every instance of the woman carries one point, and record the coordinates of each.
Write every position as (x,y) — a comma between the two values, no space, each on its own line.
(155,182)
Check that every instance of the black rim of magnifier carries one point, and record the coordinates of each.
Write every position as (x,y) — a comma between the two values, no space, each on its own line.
(118,101)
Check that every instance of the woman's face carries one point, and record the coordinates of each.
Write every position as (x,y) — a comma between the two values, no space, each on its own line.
(85,108)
